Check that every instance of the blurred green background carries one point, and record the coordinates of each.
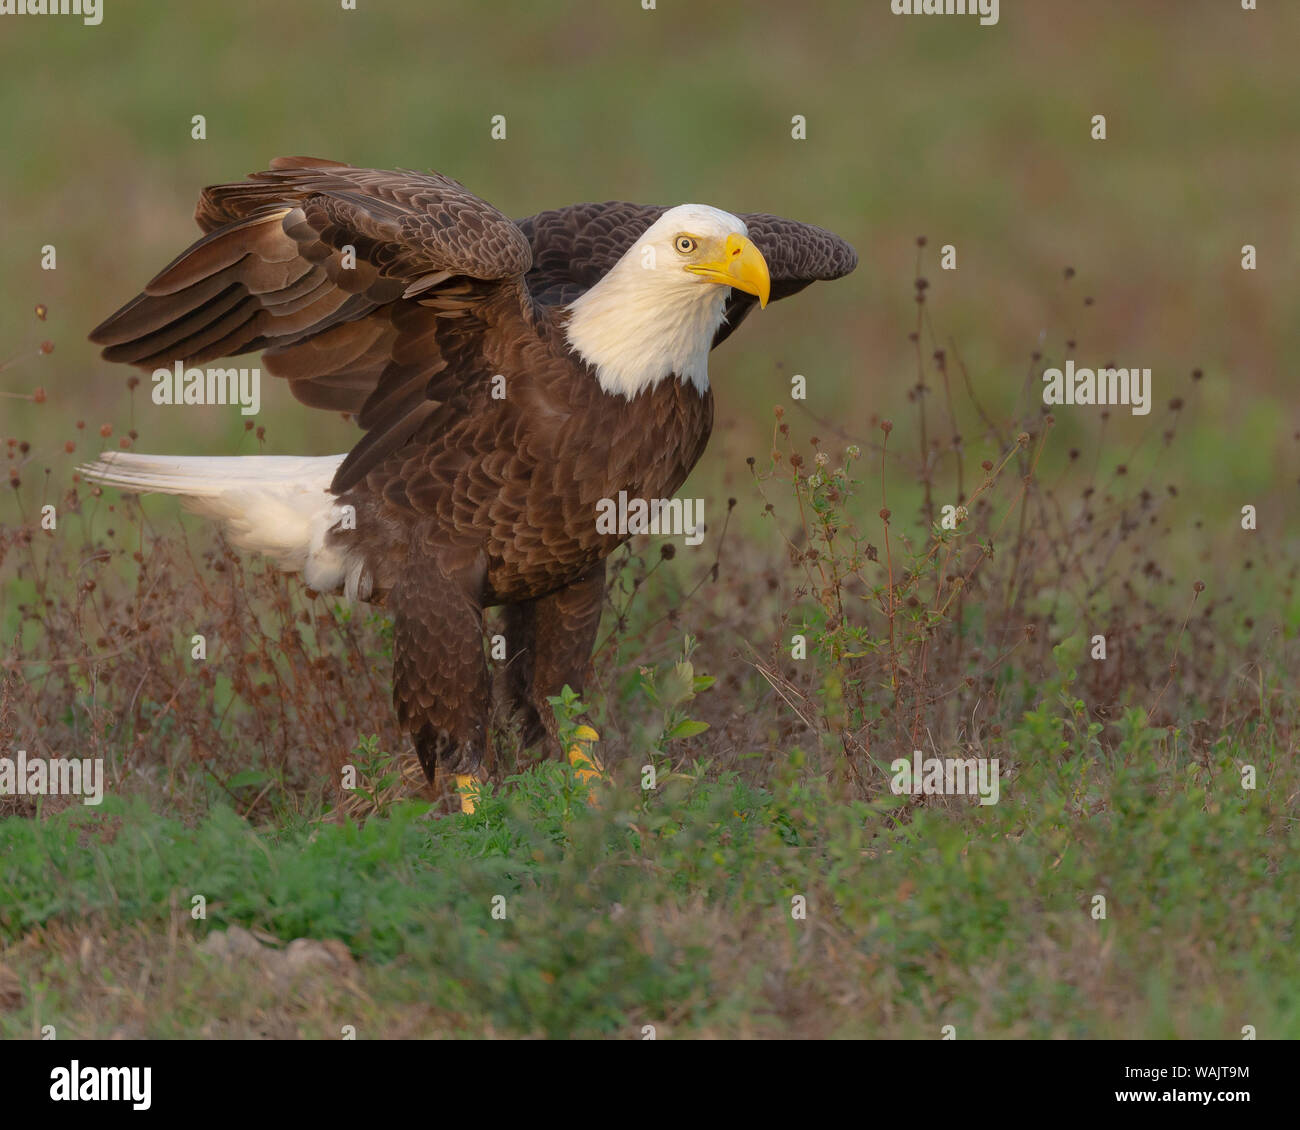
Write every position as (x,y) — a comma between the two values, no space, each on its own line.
(975,136)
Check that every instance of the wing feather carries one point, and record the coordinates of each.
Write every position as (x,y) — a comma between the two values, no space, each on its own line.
(286,239)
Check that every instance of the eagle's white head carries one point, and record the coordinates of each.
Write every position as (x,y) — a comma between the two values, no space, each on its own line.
(655,312)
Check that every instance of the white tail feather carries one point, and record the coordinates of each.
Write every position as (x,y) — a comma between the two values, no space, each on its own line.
(278,505)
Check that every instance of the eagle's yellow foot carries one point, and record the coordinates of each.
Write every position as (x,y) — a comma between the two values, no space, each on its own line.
(583,758)
(467,786)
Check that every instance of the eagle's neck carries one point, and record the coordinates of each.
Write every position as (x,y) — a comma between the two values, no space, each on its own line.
(637,326)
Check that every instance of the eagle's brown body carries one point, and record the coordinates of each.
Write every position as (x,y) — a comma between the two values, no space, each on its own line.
(458,520)
(439,323)
(513,481)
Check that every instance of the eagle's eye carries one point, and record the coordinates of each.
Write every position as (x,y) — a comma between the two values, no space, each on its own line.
(685,244)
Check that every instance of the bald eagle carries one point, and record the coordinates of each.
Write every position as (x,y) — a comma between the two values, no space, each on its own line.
(508,376)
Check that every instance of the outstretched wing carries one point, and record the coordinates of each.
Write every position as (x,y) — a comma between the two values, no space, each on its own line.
(345,276)
(573,248)
(305,246)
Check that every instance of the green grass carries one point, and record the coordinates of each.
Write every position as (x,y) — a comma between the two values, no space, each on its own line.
(674,907)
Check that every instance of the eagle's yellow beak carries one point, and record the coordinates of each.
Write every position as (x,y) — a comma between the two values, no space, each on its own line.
(742,266)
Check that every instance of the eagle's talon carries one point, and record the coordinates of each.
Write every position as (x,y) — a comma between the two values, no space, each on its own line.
(585,762)
(467,788)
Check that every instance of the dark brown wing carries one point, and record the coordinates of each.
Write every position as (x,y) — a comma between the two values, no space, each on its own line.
(573,247)
(344,276)
(274,267)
